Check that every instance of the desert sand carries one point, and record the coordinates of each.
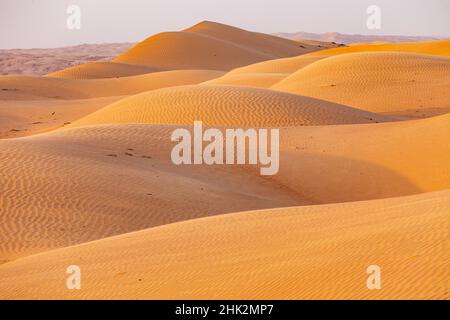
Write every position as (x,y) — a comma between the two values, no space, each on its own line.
(376,81)
(86,176)
(311,252)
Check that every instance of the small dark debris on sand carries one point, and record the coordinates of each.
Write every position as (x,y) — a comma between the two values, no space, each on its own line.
(112,155)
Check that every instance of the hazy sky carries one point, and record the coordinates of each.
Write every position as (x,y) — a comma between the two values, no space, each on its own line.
(42,23)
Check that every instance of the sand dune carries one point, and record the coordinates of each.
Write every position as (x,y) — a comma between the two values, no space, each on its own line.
(27,117)
(376,82)
(256,80)
(96,70)
(210,45)
(439,48)
(265,74)
(353,38)
(28,87)
(73,186)
(226,106)
(86,176)
(315,252)
(359,162)
(283,65)
(82,184)
(42,61)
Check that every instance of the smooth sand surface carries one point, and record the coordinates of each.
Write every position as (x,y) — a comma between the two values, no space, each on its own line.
(376,81)
(72,186)
(32,87)
(226,106)
(86,176)
(312,252)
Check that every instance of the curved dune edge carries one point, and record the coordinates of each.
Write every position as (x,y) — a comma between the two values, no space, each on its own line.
(315,252)
(29,117)
(29,87)
(96,70)
(82,184)
(226,106)
(375,81)
(436,47)
(256,80)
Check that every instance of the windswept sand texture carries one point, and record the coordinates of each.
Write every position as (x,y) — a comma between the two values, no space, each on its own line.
(226,106)
(438,48)
(314,252)
(86,176)
(376,81)
(26,87)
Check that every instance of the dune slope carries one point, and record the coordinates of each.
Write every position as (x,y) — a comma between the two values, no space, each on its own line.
(226,106)
(314,252)
(436,47)
(82,184)
(210,45)
(95,70)
(376,82)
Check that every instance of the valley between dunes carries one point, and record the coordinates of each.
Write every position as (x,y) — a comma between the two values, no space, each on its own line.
(86,176)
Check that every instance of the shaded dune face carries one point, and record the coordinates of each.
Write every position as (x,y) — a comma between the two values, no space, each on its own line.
(227,106)
(376,82)
(326,260)
(82,184)
(210,45)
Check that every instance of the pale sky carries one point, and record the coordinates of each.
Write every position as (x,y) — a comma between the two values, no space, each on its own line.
(42,23)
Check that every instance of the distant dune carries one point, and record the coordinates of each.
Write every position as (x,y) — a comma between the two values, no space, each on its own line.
(43,61)
(313,252)
(96,70)
(352,38)
(27,87)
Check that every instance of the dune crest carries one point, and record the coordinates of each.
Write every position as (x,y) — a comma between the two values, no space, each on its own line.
(376,81)
(210,45)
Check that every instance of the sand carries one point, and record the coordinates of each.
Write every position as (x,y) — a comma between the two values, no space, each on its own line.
(312,252)
(98,70)
(86,183)
(376,82)
(32,87)
(86,176)
(218,105)
(438,47)
(210,45)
